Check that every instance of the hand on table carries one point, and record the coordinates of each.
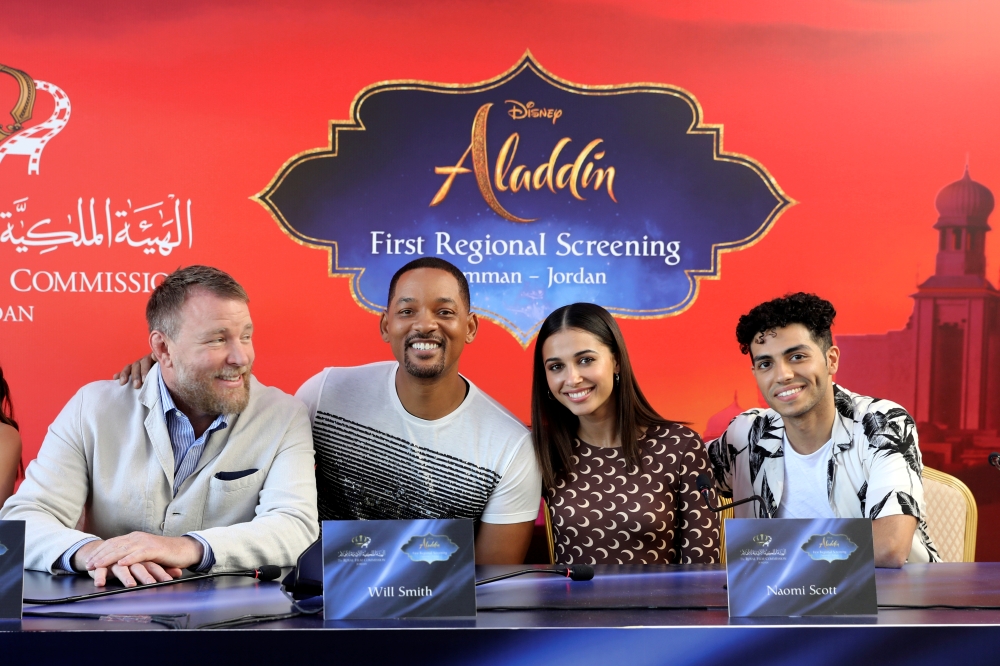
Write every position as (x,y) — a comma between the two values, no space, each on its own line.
(138,556)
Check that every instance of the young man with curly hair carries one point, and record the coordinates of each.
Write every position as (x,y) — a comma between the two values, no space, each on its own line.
(820,451)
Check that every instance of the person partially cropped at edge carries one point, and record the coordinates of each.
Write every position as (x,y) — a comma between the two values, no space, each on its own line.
(10,443)
(820,451)
(620,479)
(412,438)
(203,468)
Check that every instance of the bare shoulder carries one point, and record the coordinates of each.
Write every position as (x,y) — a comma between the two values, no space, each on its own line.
(9,436)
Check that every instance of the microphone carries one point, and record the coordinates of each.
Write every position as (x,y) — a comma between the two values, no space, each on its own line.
(995,459)
(265,573)
(705,483)
(573,572)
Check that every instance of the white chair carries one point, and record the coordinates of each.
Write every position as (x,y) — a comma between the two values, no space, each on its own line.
(951,515)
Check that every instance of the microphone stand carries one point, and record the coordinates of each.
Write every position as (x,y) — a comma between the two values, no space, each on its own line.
(704,484)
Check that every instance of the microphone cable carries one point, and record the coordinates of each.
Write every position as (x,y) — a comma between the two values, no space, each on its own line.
(264,573)
(573,572)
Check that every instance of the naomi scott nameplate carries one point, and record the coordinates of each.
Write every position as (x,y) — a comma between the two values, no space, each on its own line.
(11,568)
(374,569)
(789,567)
(543,192)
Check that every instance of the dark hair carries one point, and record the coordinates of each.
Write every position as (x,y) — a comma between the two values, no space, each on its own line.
(441,265)
(6,406)
(168,298)
(553,427)
(809,310)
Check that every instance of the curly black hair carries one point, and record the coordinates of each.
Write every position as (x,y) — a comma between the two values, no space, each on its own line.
(809,310)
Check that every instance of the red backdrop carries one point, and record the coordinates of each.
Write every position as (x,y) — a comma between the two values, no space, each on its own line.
(861,110)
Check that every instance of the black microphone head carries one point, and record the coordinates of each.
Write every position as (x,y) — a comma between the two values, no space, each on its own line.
(995,459)
(704,482)
(268,572)
(581,572)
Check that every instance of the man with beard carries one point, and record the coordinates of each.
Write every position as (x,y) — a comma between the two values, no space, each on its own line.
(820,451)
(203,468)
(412,438)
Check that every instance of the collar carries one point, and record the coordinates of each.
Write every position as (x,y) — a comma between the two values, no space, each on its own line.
(843,425)
(168,404)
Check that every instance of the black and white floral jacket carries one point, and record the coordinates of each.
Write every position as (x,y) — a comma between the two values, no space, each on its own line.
(874,468)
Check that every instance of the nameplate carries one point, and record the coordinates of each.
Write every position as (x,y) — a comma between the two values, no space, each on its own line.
(375,569)
(791,567)
(11,568)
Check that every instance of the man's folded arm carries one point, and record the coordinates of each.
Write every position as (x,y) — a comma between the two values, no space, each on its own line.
(53,494)
(286,520)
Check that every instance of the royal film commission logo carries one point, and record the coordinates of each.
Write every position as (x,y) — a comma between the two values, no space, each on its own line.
(761,550)
(359,553)
(544,192)
(18,139)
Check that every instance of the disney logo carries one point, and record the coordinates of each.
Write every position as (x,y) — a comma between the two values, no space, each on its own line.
(519,111)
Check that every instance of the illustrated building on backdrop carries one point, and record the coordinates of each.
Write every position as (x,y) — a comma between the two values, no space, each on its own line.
(944,367)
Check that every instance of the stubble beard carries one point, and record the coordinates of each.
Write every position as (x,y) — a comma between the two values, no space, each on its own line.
(197,391)
(424,371)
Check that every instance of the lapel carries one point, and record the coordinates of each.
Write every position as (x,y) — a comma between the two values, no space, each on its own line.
(767,463)
(156,423)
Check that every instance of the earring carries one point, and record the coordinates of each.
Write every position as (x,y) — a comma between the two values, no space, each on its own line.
(550,395)
(616,379)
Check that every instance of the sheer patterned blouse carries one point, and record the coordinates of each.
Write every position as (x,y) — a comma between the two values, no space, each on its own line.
(605,513)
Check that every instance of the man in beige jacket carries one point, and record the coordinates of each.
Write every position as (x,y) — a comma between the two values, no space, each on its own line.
(203,468)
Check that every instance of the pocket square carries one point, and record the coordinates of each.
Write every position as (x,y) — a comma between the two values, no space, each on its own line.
(232,476)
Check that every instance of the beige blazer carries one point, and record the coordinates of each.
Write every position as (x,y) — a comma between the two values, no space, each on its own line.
(109,451)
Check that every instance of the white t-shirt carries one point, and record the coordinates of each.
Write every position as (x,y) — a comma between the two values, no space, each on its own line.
(804,494)
(376,461)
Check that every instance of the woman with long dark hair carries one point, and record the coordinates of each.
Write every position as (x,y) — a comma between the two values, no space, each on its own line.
(619,478)
(10,443)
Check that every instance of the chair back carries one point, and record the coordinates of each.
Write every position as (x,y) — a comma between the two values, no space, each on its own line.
(952,516)
(548,531)
(728,513)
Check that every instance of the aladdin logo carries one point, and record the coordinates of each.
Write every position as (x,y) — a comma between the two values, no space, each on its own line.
(829,547)
(625,212)
(577,175)
(521,111)
(430,548)
(762,540)
(361,541)
(15,138)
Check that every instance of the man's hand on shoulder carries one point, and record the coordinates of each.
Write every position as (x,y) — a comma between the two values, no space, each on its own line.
(136,371)
(138,556)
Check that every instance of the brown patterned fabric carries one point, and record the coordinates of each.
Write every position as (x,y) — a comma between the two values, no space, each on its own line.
(604,513)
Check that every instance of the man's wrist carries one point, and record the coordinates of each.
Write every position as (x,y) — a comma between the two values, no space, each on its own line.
(207,558)
(77,560)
